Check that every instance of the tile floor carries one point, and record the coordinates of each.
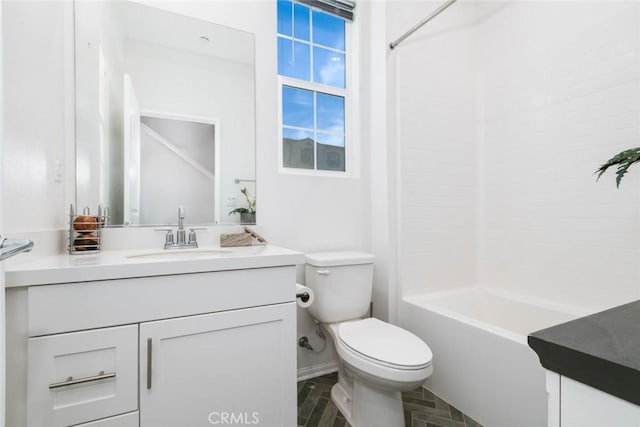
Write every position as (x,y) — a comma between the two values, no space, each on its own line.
(421,407)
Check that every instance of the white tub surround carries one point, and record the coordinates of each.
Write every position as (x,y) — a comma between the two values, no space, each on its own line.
(482,363)
(155,338)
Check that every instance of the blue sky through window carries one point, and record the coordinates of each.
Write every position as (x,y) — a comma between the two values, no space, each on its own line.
(330,113)
(301,23)
(328,67)
(297,107)
(328,31)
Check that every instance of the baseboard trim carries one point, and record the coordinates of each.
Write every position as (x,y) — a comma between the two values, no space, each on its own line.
(317,370)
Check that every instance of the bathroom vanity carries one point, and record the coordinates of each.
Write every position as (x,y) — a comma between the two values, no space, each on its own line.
(593,368)
(123,339)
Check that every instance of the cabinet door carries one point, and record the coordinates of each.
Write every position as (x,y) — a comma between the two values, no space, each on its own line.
(585,406)
(82,376)
(234,367)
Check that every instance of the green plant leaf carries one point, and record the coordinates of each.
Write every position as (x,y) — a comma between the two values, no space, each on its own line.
(623,161)
(239,211)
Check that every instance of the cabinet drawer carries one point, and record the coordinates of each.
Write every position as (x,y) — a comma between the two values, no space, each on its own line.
(92,304)
(131,419)
(82,376)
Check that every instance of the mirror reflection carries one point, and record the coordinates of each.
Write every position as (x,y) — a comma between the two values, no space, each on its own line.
(164,115)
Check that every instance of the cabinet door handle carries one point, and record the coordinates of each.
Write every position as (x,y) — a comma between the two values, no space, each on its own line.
(324,272)
(149,361)
(70,381)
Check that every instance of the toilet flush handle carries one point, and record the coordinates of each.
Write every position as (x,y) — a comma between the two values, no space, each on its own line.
(324,272)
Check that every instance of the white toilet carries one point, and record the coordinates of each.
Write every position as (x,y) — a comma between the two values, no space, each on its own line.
(377,360)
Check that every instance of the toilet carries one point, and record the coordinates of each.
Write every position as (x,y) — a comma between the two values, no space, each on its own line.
(376,360)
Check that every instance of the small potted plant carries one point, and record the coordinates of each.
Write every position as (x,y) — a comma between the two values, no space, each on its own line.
(248,214)
(622,160)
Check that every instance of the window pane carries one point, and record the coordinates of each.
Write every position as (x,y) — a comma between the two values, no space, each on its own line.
(297,107)
(330,152)
(328,30)
(330,113)
(297,148)
(293,59)
(301,24)
(328,67)
(284,17)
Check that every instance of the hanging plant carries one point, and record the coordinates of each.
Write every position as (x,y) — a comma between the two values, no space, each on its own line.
(623,161)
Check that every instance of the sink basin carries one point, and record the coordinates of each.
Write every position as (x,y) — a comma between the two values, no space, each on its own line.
(181,254)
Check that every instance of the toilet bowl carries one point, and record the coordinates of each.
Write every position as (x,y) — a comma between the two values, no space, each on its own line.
(376,360)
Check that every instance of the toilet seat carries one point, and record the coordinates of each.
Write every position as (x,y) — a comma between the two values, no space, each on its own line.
(400,357)
(386,344)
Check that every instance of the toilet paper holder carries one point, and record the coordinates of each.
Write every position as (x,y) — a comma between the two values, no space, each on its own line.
(304,296)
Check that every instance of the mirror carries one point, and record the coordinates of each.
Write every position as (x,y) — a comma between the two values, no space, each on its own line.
(165,116)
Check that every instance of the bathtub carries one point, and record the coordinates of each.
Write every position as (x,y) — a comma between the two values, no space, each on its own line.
(482,363)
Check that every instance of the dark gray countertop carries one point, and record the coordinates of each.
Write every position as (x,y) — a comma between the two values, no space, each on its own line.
(601,350)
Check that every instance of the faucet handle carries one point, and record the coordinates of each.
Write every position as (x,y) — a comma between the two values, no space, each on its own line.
(193,239)
(168,238)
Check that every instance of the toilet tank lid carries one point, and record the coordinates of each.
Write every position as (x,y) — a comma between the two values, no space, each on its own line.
(334,259)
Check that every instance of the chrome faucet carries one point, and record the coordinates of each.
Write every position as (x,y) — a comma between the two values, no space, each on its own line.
(181,235)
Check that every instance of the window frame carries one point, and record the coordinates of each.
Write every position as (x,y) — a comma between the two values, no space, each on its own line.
(351,122)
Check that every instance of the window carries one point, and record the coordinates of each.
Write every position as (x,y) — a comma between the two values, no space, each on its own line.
(314,88)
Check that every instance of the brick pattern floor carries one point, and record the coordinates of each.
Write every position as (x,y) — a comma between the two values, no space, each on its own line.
(421,407)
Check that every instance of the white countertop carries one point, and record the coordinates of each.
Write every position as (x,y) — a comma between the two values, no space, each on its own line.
(34,269)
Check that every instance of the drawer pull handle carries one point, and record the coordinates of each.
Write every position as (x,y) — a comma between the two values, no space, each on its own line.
(149,361)
(70,381)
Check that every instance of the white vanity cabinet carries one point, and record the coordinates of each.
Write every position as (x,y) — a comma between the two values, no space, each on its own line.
(574,404)
(172,350)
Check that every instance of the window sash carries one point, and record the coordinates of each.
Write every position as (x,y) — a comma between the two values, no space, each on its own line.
(351,165)
(352,144)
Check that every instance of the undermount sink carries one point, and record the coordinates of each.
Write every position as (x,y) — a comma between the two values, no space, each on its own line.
(181,254)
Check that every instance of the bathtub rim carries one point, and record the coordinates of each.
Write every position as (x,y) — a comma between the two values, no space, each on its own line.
(424,300)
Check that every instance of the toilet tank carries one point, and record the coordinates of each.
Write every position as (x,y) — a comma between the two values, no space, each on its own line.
(342,284)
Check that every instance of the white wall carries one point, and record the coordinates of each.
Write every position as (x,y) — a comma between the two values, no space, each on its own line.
(375,102)
(34,115)
(167,180)
(2,300)
(560,86)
